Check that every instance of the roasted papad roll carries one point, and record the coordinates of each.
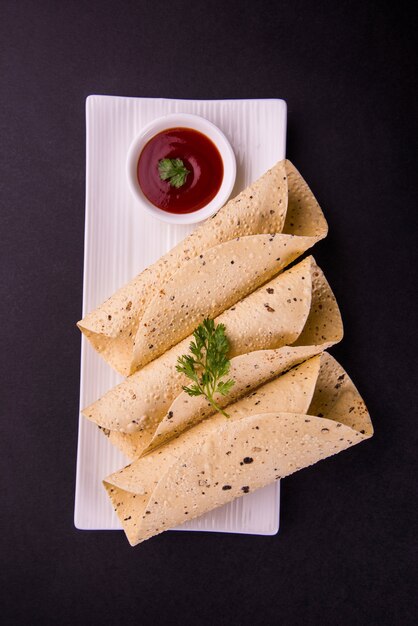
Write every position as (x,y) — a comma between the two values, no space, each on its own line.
(307,414)
(250,240)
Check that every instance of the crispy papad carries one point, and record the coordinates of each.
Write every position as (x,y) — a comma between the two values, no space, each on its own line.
(263,330)
(251,239)
(309,413)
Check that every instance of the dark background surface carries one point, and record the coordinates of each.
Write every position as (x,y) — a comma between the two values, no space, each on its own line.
(345,551)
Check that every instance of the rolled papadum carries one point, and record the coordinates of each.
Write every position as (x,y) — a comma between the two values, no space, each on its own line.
(299,302)
(305,415)
(252,238)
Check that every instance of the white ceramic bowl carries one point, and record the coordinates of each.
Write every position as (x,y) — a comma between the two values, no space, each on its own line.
(183,120)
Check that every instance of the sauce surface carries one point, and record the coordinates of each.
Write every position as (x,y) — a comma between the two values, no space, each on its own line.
(199,155)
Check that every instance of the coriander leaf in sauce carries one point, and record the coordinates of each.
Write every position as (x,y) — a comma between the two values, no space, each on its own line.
(174,171)
(208,363)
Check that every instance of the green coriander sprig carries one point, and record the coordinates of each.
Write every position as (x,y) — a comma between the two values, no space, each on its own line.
(174,171)
(208,363)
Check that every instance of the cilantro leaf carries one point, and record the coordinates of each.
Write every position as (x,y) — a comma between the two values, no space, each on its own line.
(174,171)
(225,388)
(208,363)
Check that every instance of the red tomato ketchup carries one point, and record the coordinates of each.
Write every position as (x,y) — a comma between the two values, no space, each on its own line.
(201,158)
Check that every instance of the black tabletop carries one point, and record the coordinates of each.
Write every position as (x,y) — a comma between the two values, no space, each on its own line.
(345,550)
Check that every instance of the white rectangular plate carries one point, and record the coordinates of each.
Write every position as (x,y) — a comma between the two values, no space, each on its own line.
(120,241)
